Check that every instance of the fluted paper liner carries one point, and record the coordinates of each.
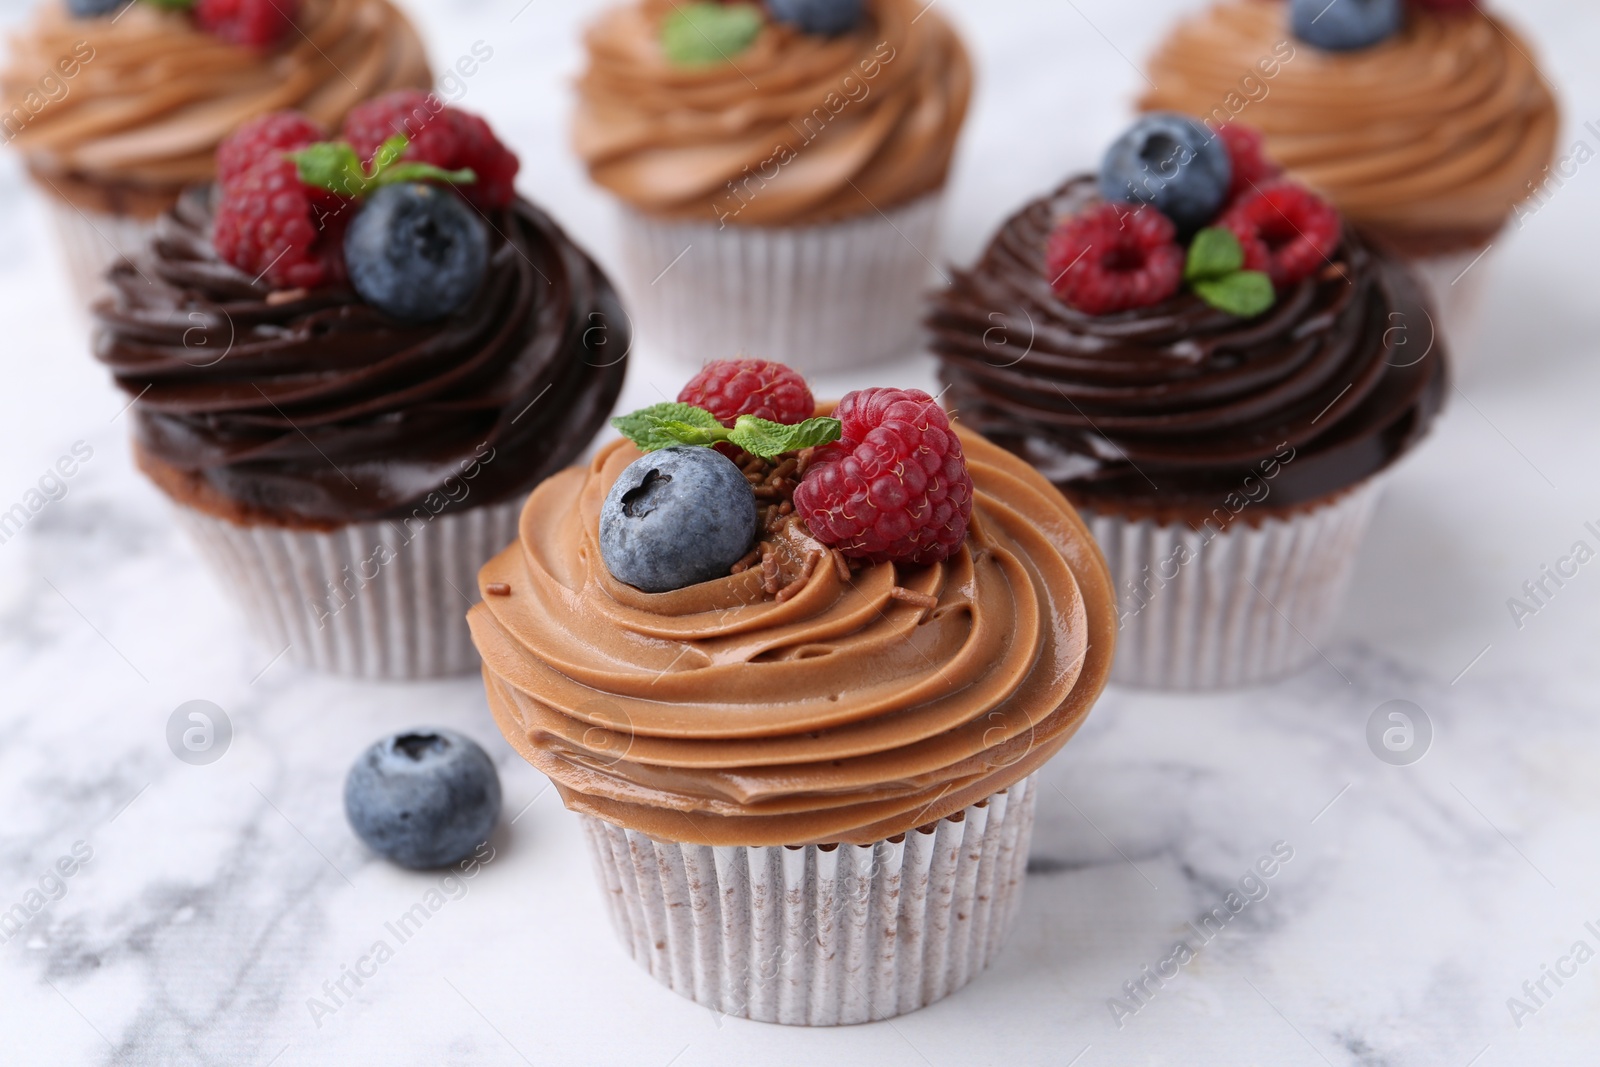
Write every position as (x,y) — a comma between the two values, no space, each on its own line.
(374,599)
(92,242)
(1456,284)
(826,934)
(1251,604)
(818,298)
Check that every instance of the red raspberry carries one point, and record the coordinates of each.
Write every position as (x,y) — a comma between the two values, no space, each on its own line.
(1285,230)
(270,225)
(256,23)
(895,486)
(1251,167)
(439,135)
(729,388)
(279,131)
(1114,257)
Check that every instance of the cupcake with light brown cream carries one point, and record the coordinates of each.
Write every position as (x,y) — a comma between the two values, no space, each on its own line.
(805,756)
(800,149)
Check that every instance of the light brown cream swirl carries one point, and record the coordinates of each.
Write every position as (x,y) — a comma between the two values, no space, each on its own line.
(156,94)
(797,129)
(719,715)
(1439,129)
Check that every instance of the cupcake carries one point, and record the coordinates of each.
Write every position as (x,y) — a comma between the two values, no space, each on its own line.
(347,394)
(796,686)
(1426,123)
(117,106)
(779,169)
(1217,371)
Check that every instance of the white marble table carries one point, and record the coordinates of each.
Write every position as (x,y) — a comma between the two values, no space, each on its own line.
(219,899)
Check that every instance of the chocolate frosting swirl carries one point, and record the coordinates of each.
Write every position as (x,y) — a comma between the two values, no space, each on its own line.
(797,129)
(1165,410)
(157,94)
(1439,128)
(316,409)
(717,715)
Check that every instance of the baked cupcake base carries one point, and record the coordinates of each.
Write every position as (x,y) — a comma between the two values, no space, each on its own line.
(1214,610)
(822,935)
(373,599)
(818,298)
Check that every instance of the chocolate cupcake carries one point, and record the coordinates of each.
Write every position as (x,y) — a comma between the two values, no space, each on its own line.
(1223,429)
(348,454)
(118,105)
(805,765)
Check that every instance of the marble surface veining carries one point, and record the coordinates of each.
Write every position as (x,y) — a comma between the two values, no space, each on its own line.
(220,907)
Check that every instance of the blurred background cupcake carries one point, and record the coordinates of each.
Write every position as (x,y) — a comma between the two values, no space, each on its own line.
(1427,122)
(779,169)
(1216,370)
(117,105)
(347,394)
(804,758)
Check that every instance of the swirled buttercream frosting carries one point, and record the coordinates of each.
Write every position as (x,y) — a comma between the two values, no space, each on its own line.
(315,409)
(1439,130)
(1166,410)
(151,95)
(797,129)
(870,702)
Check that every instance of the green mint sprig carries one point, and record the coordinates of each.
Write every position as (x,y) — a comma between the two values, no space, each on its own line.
(664,425)
(1213,271)
(334,166)
(699,35)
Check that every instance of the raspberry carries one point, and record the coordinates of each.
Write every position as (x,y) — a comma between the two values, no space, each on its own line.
(256,23)
(270,225)
(1251,167)
(729,388)
(1285,230)
(439,135)
(1114,257)
(280,131)
(895,487)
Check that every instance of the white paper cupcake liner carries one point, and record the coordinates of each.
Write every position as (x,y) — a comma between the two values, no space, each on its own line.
(92,242)
(818,298)
(1251,603)
(1457,284)
(372,599)
(821,935)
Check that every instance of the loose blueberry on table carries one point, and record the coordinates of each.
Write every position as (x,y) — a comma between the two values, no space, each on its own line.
(423,799)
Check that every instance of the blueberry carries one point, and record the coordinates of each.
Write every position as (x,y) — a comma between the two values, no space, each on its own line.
(676,517)
(1344,25)
(827,17)
(1173,162)
(416,251)
(426,798)
(88,9)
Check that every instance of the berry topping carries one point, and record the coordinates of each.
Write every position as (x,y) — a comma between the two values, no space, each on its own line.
(1172,162)
(428,798)
(895,488)
(1113,257)
(88,9)
(416,251)
(1445,6)
(1285,231)
(256,23)
(280,131)
(678,516)
(699,35)
(272,226)
(443,136)
(1251,167)
(729,388)
(826,17)
(1345,25)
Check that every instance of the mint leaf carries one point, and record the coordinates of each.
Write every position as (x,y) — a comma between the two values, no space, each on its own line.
(1214,254)
(173,5)
(334,165)
(767,439)
(697,35)
(1245,293)
(664,425)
